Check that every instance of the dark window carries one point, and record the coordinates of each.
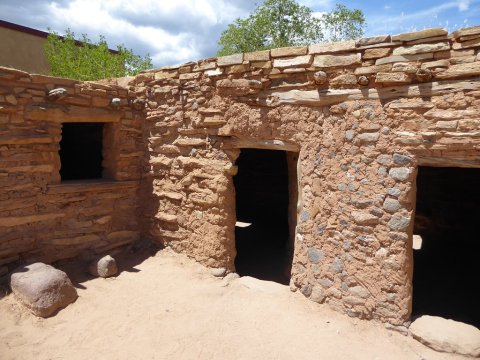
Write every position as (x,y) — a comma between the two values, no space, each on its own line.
(81,151)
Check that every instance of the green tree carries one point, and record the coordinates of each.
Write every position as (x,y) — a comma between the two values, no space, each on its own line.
(343,23)
(280,23)
(84,60)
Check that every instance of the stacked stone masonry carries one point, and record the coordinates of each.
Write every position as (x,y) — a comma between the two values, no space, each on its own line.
(362,116)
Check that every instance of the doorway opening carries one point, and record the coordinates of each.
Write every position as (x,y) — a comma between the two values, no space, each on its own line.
(266,201)
(447,220)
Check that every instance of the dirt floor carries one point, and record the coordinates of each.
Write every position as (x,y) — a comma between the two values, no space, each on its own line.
(168,307)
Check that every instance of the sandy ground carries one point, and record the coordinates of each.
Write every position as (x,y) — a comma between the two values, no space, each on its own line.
(169,307)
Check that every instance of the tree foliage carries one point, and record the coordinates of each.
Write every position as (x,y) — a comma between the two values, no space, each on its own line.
(84,60)
(280,23)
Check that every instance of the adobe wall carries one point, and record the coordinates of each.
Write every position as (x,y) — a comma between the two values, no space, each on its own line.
(41,217)
(362,115)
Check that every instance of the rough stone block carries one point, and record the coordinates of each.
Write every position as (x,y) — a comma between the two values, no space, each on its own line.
(376,53)
(234,59)
(372,40)
(447,335)
(326,61)
(299,61)
(392,78)
(332,47)
(289,51)
(421,48)
(257,56)
(42,288)
(427,33)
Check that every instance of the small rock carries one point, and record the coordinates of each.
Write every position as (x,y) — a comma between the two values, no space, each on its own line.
(363,80)
(368,137)
(399,222)
(104,267)
(227,280)
(57,93)
(318,295)
(42,288)
(447,335)
(320,77)
(401,160)
(399,174)
(394,192)
(218,272)
(391,205)
(116,102)
(314,255)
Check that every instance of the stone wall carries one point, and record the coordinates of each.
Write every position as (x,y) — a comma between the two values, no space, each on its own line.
(41,217)
(362,115)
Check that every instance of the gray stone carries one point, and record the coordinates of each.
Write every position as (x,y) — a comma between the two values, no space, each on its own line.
(401,160)
(394,192)
(391,205)
(349,134)
(304,216)
(326,283)
(399,222)
(315,255)
(447,335)
(398,236)
(342,187)
(104,267)
(337,265)
(42,288)
(306,290)
(318,295)
(384,159)
(218,272)
(399,174)
(382,171)
(359,291)
(368,137)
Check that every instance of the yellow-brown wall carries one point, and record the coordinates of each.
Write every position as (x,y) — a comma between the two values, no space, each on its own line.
(22,51)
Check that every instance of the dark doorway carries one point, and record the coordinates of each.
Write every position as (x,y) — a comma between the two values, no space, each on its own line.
(81,151)
(446,267)
(264,243)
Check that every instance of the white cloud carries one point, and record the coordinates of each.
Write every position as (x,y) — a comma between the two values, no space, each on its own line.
(170,31)
(463,5)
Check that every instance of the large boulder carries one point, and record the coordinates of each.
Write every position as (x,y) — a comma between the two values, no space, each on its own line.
(42,288)
(104,267)
(447,335)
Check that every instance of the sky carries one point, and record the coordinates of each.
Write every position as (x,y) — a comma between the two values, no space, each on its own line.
(177,31)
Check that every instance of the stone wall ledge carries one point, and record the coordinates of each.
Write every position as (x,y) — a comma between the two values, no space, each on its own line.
(95,185)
